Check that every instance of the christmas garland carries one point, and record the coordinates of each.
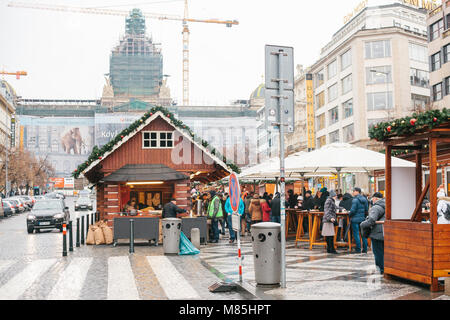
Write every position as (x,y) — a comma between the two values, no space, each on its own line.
(98,154)
(409,125)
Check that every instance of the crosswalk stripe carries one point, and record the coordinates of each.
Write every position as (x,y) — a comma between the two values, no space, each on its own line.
(20,282)
(173,283)
(121,282)
(71,281)
(5,264)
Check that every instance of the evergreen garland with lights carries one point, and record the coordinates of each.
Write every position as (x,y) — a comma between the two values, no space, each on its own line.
(98,154)
(409,125)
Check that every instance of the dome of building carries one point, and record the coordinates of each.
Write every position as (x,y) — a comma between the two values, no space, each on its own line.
(10,92)
(259,92)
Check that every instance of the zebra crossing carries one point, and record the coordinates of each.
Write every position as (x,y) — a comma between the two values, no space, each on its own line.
(123,281)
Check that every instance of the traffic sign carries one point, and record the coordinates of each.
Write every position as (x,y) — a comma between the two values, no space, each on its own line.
(235,192)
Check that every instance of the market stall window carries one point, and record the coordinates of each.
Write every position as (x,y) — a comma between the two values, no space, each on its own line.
(157,139)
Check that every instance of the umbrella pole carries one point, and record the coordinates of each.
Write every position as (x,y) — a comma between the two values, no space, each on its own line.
(339,180)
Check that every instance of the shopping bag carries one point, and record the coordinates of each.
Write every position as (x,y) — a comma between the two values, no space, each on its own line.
(90,239)
(186,247)
(108,234)
(99,237)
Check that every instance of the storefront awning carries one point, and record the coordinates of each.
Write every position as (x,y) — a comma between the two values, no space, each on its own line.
(145,172)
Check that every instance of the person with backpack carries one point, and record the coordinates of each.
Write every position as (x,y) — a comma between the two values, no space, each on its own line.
(370,229)
(357,214)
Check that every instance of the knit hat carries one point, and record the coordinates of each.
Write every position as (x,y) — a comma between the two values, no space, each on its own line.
(212,193)
(377,195)
(333,193)
(324,190)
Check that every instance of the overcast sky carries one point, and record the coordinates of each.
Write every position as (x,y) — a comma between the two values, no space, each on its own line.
(67,54)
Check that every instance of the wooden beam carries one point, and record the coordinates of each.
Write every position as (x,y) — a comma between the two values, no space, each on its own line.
(433,180)
(423,136)
(388,183)
(419,172)
(407,147)
(417,215)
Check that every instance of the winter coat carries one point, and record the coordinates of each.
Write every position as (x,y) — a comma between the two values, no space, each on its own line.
(330,209)
(276,206)
(229,210)
(346,202)
(376,213)
(360,206)
(265,211)
(247,204)
(255,210)
(170,210)
(322,200)
(308,204)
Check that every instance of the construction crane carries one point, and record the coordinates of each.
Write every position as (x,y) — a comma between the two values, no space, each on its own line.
(18,74)
(185,20)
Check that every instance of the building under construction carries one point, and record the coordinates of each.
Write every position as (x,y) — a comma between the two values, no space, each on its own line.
(136,67)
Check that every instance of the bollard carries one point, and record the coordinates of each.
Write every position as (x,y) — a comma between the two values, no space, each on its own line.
(131,236)
(195,237)
(82,230)
(78,233)
(70,237)
(64,241)
(87,224)
(92,218)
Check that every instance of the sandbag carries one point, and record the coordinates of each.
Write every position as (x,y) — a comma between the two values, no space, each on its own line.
(90,239)
(99,237)
(108,235)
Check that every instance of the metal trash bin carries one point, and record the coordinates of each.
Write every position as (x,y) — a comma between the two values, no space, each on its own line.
(266,239)
(171,235)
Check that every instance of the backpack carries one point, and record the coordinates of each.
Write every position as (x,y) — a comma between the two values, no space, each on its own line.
(447,212)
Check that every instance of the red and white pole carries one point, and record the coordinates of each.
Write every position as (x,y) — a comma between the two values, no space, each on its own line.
(239,250)
(64,240)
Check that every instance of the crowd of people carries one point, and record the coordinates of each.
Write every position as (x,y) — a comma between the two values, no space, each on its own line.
(254,208)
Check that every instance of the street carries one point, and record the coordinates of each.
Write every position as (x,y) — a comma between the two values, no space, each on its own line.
(32,267)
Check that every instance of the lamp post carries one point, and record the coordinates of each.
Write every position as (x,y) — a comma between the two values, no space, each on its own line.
(386,74)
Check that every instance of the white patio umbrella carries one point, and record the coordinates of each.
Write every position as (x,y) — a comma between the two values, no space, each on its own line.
(341,158)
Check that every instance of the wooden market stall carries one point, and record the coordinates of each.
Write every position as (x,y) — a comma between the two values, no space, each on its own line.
(155,159)
(417,248)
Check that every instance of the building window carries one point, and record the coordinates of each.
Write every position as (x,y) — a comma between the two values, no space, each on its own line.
(436,61)
(320,98)
(447,53)
(447,86)
(157,140)
(332,69)
(418,52)
(334,115)
(349,133)
(332,92)
(437,92)
(334,136)
(419,103)
(322,141)
(321,122)
(378,49)
(319,79)
(378,77)
(348,108)
(436,29)
(379,101)
(347,84)
(420,78)
(346,60)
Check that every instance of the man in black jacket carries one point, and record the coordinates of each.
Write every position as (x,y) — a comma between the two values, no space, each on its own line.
(171,210)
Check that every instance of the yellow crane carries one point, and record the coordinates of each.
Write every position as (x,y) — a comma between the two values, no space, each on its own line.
(18,74)
(185,20)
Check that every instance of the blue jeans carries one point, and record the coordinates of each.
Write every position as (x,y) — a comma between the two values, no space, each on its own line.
(215,229)
(355,227)
(378,252)
(230,228)
(276,219)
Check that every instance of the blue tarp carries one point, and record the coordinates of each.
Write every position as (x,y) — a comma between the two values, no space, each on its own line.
(186,247)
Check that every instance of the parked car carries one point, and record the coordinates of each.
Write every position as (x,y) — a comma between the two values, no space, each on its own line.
(9,208)
(83,203)
(22,202)
(54,195)
(48,214)
(17,204)
(28,201)
(84,193)
(2,211)
(36,198)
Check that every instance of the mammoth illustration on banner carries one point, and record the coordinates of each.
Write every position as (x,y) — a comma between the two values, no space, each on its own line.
(72,140)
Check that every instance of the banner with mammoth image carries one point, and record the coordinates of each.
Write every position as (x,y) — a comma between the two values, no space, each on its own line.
(65,142)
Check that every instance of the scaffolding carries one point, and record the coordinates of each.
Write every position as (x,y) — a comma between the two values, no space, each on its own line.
(136,64)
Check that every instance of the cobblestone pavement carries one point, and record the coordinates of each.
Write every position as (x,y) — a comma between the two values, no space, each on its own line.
(32,267)
(315,275)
